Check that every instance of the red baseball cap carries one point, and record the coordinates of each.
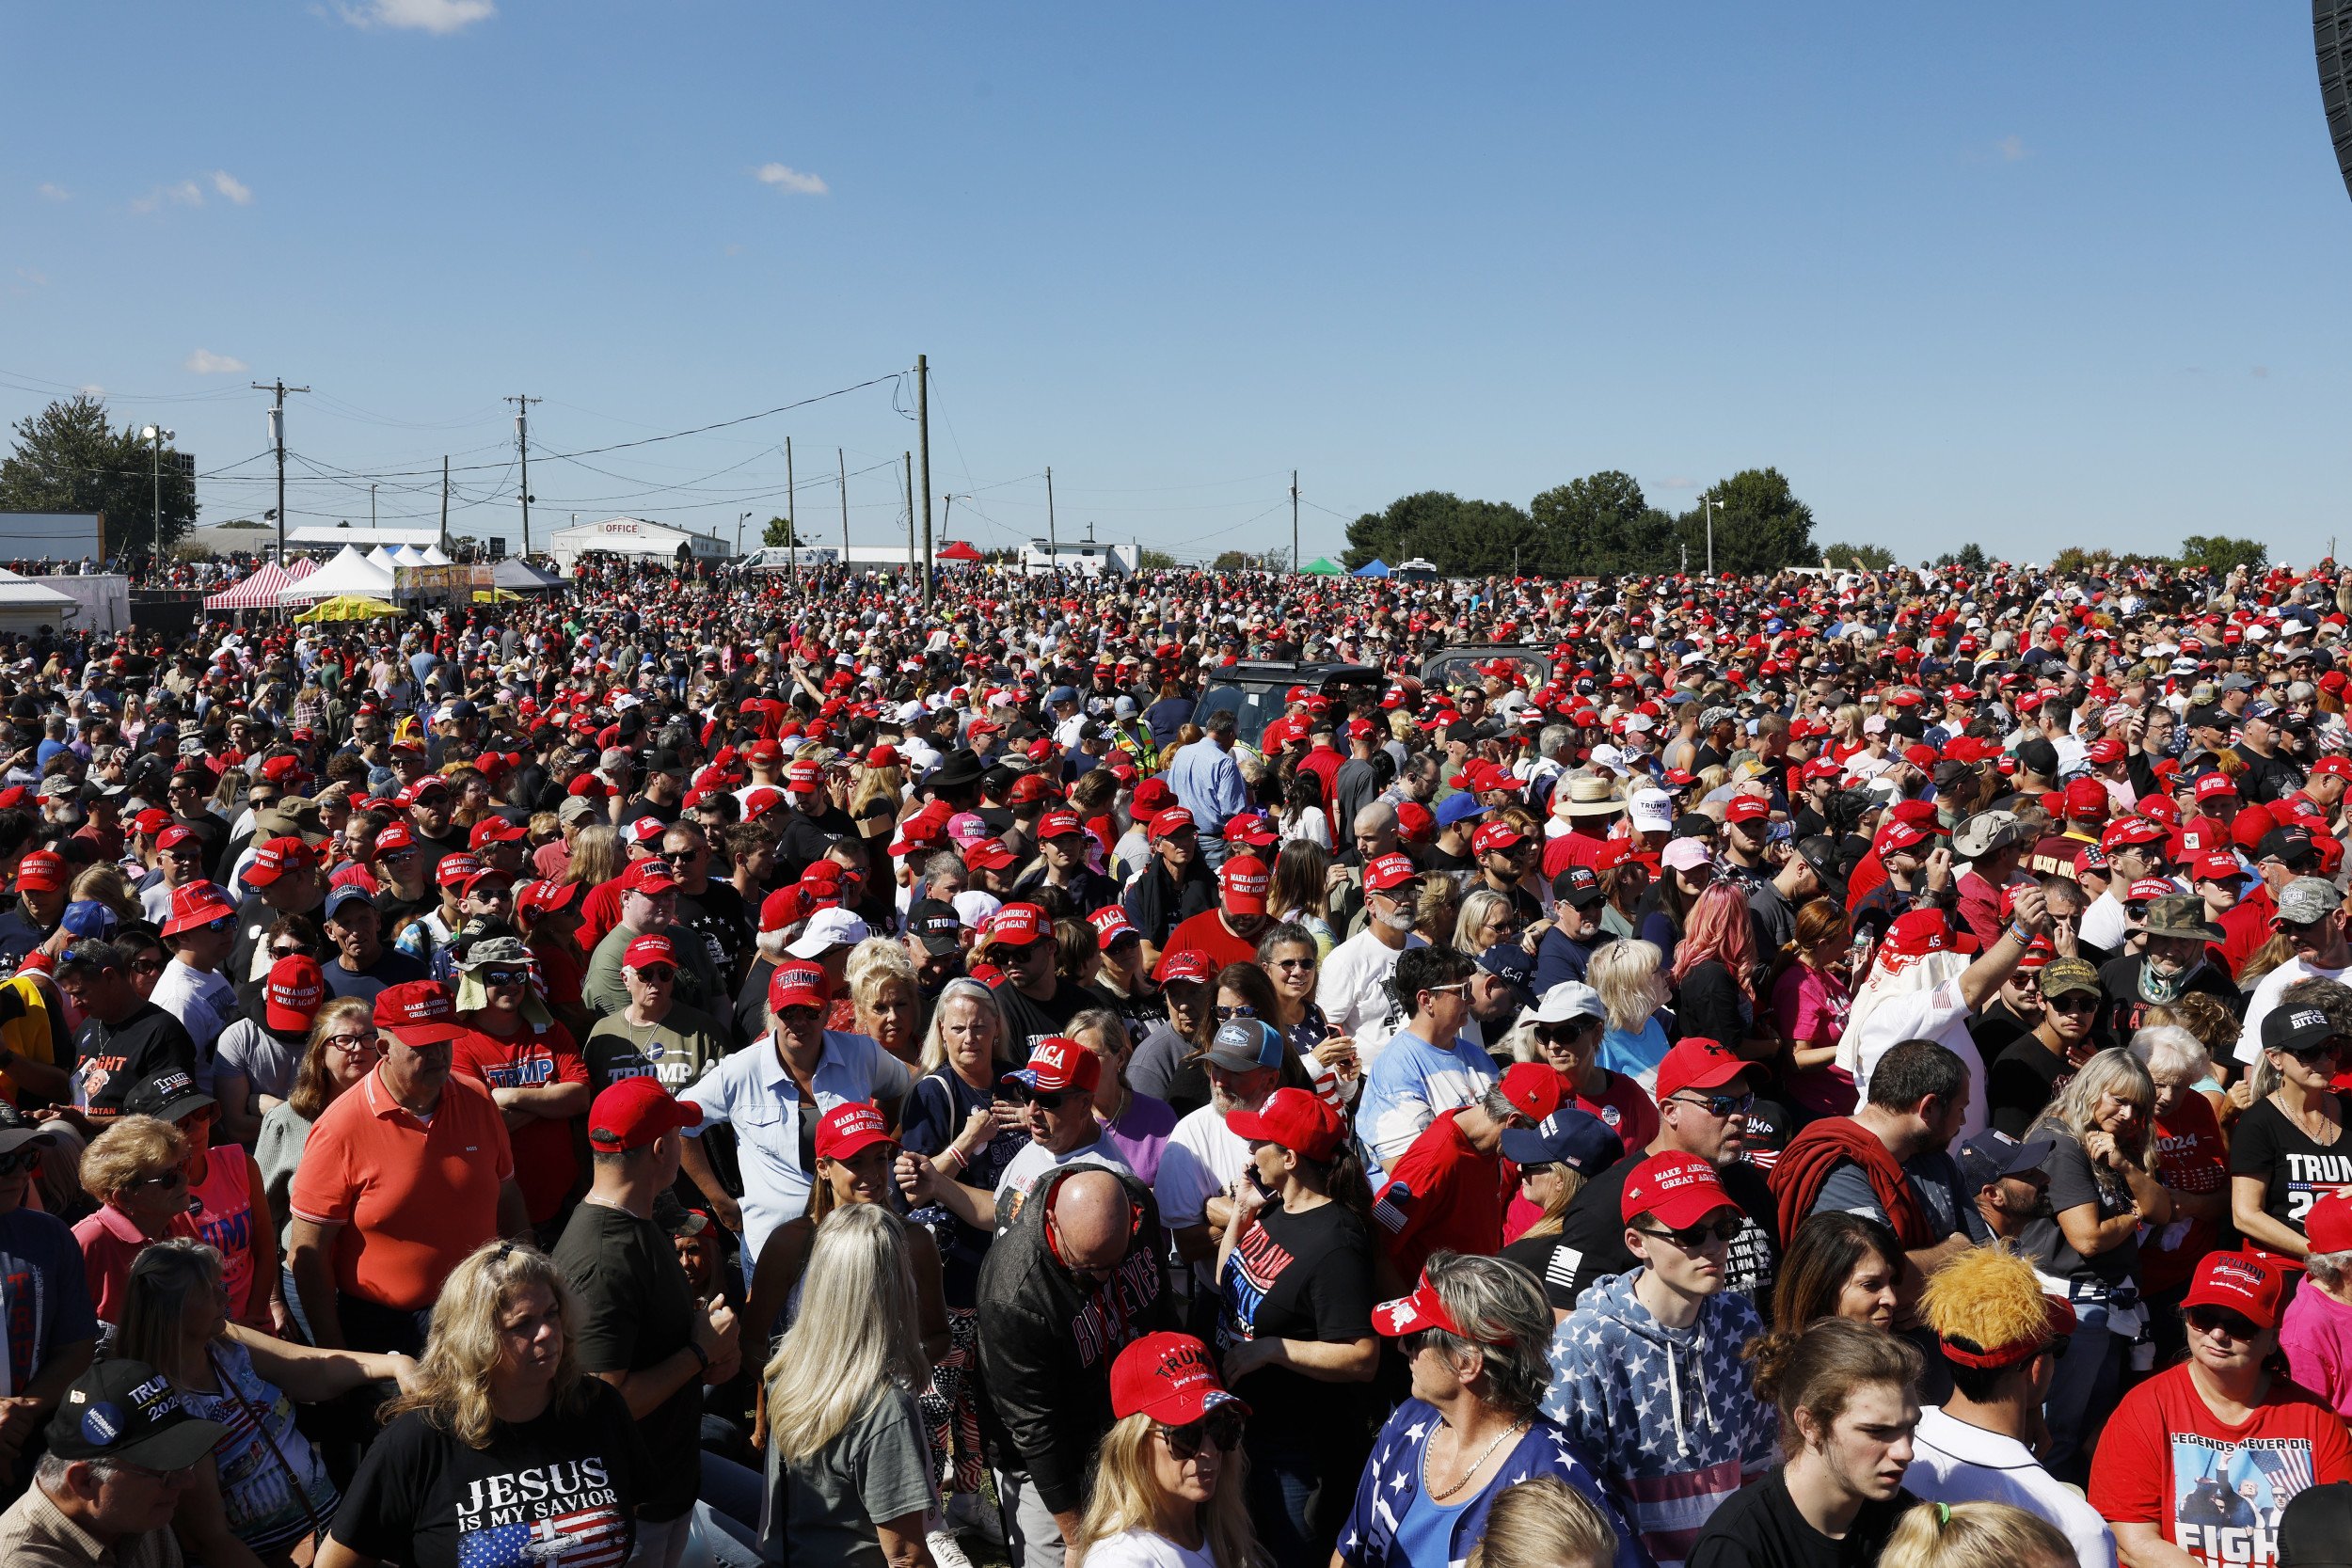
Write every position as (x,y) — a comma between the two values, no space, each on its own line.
(804,777)
(796,985)
(849,1127)
(1057,1063)
(1059,823)
(2326,1223)
(1424,1308)
(633,1112)
(650,877)
(292,995)
(2244,1283)
(2126,830)
(1243,881)
(2211,785)
(1184,966)
(989,854)
(1747,808)
(2217,866)
(1110,925)
(494,830)
(1297,1119)
(2326,768)
(455,867)
(1916,933)
(1252,830)
(1175,819)
(2088,799)
(1897,837)
(1389,873)
(1698,1063)
(1171,1377)
(395,837)
(1018,924)
(153,820)
(1415,822)
(1533,1089)
(419,1012)
(1495,835)
(1680,1189)
(274,858)
(41,871)
(653,948)
(1153,796)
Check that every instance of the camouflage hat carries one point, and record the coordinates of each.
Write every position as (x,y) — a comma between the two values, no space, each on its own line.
(2179,914)
(2060,975)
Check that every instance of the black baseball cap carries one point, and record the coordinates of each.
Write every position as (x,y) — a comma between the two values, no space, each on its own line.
(1578,886)
(2297,1030)
(1989,1158)
(1819,851)
(166,1096)
(2315,1531)
(936,926)
(127,1410)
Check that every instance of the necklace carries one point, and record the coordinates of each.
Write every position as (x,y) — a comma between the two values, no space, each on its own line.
(2328,1130)
(1437,1494)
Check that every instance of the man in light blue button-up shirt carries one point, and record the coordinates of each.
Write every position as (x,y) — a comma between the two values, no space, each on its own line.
(1208,784)
(758,1090)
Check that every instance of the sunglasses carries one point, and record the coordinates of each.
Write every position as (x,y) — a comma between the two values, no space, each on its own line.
(297,951)
(2221,1319)
(397,855)
(1294,963)
(17,1161)
(1245,1010)
(653,975)
(147,966)
(679,857)
(1562,1034)
(1220,1430)
(2072,1001)
(1022,954)
(1698,1236)
(175,1176)
(1719,1104)
(1045,1100)
(505,976)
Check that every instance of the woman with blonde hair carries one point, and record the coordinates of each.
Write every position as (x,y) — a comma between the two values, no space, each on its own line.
(1544,1523)
(136,1170)
(1488,917)
(1169,1477)
(1626,973)
(2103,1190)
(882,989)
(1975,1535)
(497,1393)
(847,1467)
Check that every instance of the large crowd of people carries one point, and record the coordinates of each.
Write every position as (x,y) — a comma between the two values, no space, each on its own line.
(1754,1073)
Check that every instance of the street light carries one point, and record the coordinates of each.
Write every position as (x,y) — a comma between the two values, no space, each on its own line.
(1711,504)
(158,435)
(739,532)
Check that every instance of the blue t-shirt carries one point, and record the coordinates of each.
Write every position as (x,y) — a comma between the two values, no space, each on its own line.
(44,1294)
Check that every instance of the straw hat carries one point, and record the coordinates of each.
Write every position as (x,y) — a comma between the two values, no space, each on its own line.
(1588,797)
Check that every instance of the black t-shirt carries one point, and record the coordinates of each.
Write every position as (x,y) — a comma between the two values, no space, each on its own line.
(424,1499)
(2023,1082)
(116,1056)
(716,915)
(1759,1528)
(2294,1170)
(1553,1261)
(1298,1276)
(1594,1227)
(1157,904)
(2122,1012)
(637,1312)
(435,851)
(1032,1020)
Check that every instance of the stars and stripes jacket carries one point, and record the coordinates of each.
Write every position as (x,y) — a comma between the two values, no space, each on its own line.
(1666,1415)
(1391,1485)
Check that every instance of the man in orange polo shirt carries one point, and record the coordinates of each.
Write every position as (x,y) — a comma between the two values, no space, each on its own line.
(404,1174)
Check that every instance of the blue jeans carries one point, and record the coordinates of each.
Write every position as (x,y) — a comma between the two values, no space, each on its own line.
(1282,1482)
(2084,1392)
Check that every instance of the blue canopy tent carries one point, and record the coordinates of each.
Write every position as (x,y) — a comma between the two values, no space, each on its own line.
(1372,568)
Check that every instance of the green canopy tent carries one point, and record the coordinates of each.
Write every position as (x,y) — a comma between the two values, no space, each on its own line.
(1321,566)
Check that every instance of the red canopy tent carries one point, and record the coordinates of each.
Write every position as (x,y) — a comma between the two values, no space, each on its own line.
(958,550)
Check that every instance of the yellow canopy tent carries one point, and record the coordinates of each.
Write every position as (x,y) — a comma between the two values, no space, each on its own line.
(494,595)
(348,607)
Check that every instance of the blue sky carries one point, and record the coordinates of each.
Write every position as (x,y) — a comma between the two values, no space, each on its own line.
(2022,274)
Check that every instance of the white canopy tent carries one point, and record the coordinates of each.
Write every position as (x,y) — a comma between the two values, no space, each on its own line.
(382,557)
(408,555)
(349,573)
(433,556)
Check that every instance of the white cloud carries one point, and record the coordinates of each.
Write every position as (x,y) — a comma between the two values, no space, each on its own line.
(2013,150)
(55,192)
(1676,482)
(185,193)
(425,16)
(231,186)
(38,280)
(784,177)
(205,362)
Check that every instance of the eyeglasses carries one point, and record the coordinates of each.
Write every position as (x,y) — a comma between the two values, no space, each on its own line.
(1220,1429)
(1462,985)
(653,975)
(1698,1236)
(2221,1320)
(357,1045)
(1022,954)
(1721,1104)
(295,951)
(147,966)
(1294,963)
(1245,1010)
(175,1176)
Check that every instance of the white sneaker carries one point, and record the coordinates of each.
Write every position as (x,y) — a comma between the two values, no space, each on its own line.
(969,1511)
(946,1552)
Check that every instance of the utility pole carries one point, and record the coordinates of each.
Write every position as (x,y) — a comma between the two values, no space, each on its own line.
(445,504)
(371,509)
(277,442)
(158,434)
(922,438)
(1053,549)
(1294,521)
(523,443)
(842,466)
(908,458)
(791,513)
(1711,504)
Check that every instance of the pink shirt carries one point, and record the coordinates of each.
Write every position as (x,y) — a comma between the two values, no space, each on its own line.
(109,1242)
(2316,1335)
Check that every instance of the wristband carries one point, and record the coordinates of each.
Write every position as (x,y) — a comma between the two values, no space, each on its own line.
(2025,938)
(701,1354)
(958,1155)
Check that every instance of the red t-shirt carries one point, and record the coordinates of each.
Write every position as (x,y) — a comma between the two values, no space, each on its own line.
(2245,927)
(1205,933)
(1442,1194)
(2190,1158)
(545,1164)
(2215,1491)
(1574,847)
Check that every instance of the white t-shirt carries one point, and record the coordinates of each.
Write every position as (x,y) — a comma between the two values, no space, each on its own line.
(1352,992)
(204,1003)
(1202,1159)
(2250,1040)
(1140,1548)
(1035,1160)
(1953,1462)
(1940,1015)
(2105,924)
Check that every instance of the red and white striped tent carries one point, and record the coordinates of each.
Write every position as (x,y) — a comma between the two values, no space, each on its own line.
(261,590)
